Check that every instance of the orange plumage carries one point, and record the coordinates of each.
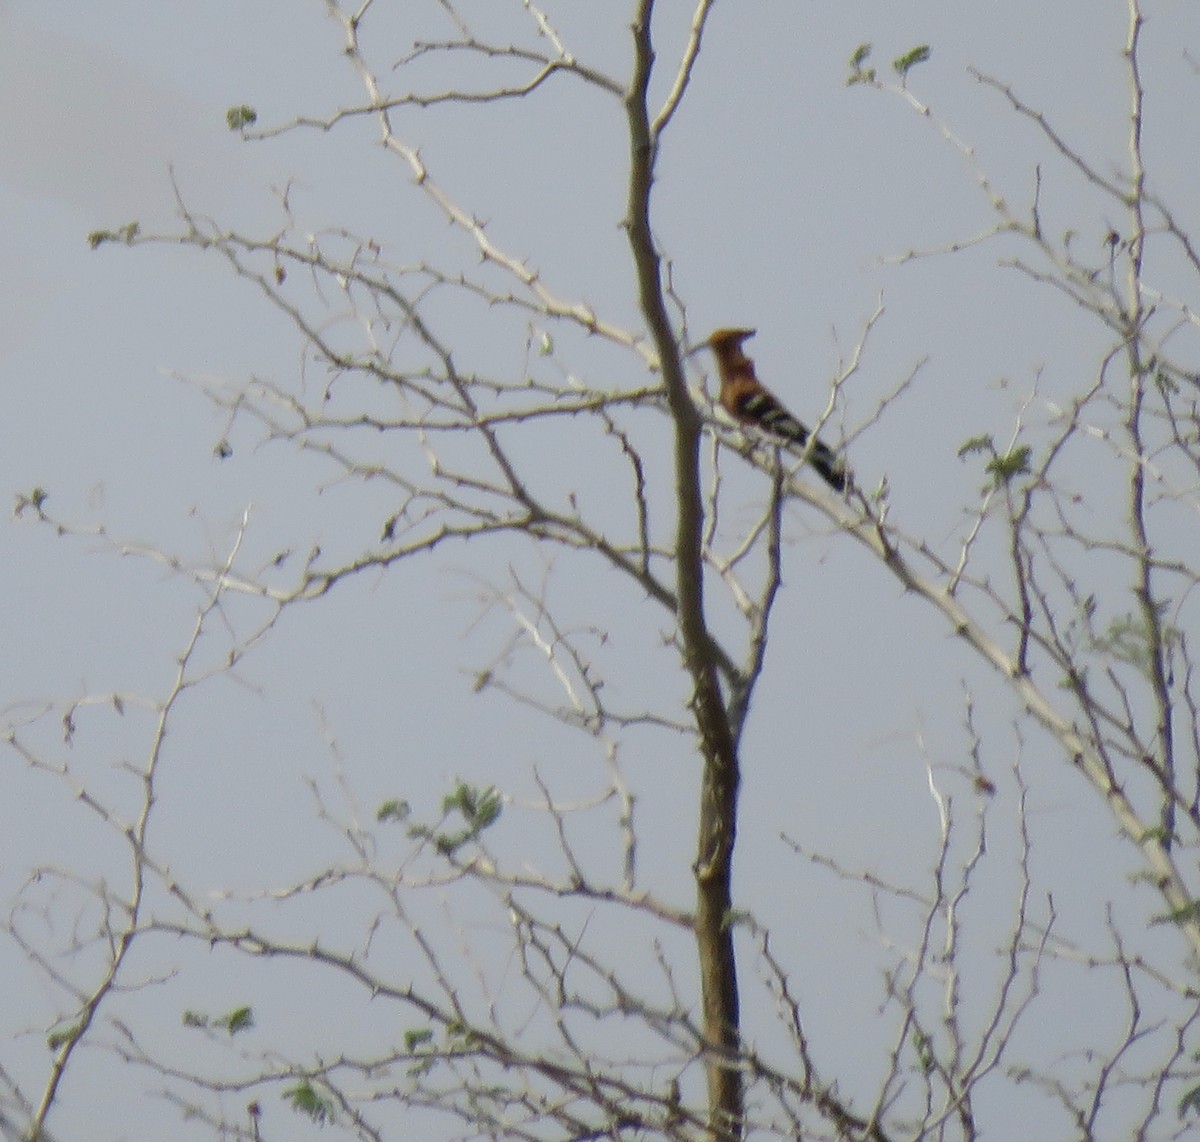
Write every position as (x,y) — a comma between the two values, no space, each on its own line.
(749,401)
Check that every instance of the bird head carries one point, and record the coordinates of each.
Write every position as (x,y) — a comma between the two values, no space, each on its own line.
(726,345)
(723,342)
(721,339)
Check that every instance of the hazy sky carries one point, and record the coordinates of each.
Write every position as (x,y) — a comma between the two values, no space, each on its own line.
(778,193)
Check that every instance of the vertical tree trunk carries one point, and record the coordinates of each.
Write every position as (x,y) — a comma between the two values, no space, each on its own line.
(719,777)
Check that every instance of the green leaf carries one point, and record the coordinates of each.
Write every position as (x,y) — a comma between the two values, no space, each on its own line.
(478,807)
(397,809)
(63,1035)
(449,843)
(1188,914)
(910,59)
(125,234)
(460,1038)
(34,499)
(859,73)
(976,444)
(239,1019)
(487,809)
(463,799)
(238,118)
(1190,1102)
(416,1037)
(1131,639)
(1016,463)
(306,1099)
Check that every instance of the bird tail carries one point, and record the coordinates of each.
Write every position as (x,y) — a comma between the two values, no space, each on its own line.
(830,466)
(762,408)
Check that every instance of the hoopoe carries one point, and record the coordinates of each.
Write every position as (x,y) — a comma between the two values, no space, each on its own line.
(748,400)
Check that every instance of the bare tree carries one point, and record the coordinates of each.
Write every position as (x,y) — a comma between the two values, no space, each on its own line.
(514,966)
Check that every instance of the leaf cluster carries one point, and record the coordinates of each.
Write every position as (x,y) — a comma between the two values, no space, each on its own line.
(478,808)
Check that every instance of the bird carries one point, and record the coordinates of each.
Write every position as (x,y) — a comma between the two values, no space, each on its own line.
(749,401)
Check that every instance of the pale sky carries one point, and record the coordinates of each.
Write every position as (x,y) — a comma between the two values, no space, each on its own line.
(778,194)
